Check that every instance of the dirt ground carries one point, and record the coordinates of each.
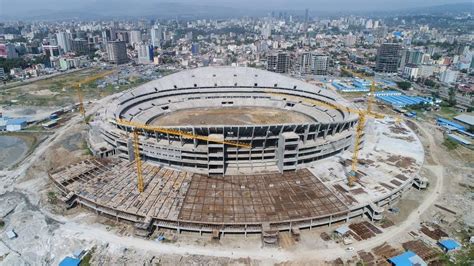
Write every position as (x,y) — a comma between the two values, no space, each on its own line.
(47,232)
(231,116)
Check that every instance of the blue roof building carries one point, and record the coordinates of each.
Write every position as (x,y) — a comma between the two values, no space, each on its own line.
(407,258)
(68,261)
(449,245)
(361,83)
(13,124)
(445,122)
(340,86)
(403,100)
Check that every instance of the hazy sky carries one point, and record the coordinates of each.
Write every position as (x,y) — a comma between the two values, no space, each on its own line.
(14,7)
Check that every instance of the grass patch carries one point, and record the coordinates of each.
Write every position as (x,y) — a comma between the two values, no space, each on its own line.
(450,144)
(463,257)
(86,260)
(88,119)
(86,149)
(52,197)
(448,112)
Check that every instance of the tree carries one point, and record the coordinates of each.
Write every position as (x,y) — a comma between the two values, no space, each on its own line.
(436,56)
(452,97)
(404,85)
(429,83)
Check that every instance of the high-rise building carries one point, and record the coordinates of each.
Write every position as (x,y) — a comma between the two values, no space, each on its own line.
(156,35)
(106,36)
(123,36)
(415,57)
(388,58)
(189,36)
(278,62)
(369,24)
(410,71)
(51,50)
(80,46)
(350,40)
(266,31)
(304,63)
(117,52)
(319,64)
(448,76)
(195,48)
(64,41)
(135,37)
(145,53)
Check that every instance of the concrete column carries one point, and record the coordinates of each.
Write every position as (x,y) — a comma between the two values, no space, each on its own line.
(306,132)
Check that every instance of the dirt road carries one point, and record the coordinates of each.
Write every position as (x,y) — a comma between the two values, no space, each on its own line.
(70,228)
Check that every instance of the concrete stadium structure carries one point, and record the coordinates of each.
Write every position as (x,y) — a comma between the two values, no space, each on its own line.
(287,145)
(294,174)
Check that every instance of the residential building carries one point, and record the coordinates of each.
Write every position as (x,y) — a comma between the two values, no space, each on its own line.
(80,46)
(8,50)
(145,53)
(410,72)
(319,64)
(64,41)
(449,76)
(135,37)
(117,52)
(156,35)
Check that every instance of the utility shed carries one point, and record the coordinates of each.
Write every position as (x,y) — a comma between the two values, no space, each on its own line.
(16,124)
(11,234)
(342,230)
(407,258)
(449,245)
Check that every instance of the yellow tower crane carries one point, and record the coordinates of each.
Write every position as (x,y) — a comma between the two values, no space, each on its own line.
(362,114)
(80,96)
(136,142)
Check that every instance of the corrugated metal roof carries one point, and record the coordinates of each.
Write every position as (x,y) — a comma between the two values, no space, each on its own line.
(465,118)
(16,121)
(407,258)
(449,244)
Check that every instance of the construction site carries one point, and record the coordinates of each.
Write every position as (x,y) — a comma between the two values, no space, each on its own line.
(231,165)
(158,166)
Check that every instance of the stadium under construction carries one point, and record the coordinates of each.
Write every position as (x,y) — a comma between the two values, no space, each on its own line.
(238,150)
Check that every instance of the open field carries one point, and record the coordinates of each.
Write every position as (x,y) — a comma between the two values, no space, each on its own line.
(59,90)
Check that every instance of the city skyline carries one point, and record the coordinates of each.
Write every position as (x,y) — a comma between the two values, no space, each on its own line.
(27,9)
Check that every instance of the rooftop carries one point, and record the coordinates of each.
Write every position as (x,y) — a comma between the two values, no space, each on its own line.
(465,118)
(407,258)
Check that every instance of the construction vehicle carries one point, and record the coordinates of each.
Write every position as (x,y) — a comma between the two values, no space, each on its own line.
(362,114)
(78,88)
(136,142)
